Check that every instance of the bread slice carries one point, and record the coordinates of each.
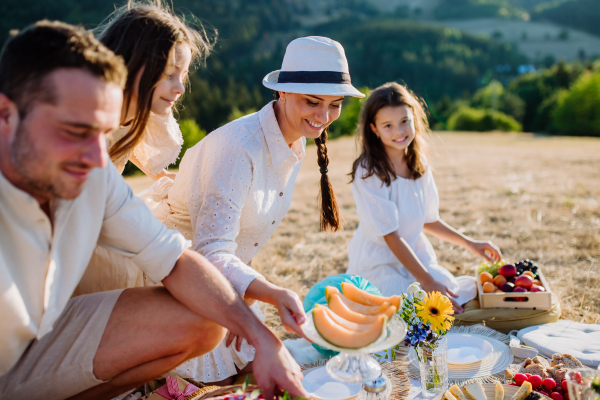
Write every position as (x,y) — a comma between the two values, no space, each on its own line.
(455,390)
(523,391)
(498,392)
(571,362)
(475,391)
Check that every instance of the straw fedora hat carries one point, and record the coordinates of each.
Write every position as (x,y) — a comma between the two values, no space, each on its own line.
(313,65)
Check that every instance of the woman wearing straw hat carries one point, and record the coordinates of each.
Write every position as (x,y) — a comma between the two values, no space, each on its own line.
(235,186)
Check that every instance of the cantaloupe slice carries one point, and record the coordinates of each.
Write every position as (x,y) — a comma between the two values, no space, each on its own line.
(359,308)
(360,296)
(336,305)
(344,337)
(353,326)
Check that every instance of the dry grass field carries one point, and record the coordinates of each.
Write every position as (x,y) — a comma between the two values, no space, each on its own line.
(534,196)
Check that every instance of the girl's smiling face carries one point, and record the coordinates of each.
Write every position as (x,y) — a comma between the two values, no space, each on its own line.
(395,126)
(171,86)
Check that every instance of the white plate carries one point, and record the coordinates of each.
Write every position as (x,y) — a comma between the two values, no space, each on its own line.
(467,289)
(320,385)
(467,349)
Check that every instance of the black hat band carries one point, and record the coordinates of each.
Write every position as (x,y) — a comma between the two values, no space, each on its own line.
(331,77)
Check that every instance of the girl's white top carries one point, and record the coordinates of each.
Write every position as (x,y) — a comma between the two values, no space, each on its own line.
(405,206)
(159,147)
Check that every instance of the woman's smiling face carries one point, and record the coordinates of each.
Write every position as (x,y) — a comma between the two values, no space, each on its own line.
(309,115)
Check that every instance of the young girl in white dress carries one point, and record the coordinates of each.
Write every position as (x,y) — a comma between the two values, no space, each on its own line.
(158,49)
(397,201)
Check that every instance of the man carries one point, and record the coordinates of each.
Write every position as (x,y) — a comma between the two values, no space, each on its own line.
(60,93)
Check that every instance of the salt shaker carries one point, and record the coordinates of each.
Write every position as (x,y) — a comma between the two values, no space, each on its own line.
(378,389)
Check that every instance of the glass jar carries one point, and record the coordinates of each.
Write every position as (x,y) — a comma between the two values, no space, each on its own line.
(433,365)
(583,384)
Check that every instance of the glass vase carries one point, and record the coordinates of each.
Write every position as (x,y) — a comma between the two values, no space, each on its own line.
(433,364)
(583,384)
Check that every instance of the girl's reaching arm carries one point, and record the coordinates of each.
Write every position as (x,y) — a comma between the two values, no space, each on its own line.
(408,258)
(442,230)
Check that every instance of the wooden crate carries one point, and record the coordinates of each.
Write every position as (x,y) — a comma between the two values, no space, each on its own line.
(535,300)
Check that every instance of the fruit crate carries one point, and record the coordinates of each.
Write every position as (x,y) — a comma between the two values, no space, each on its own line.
(531,300)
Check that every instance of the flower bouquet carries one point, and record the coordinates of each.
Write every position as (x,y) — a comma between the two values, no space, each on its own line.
(428,317)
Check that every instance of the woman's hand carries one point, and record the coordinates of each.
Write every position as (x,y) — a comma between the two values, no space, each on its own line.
(290,310)
(434,286)
(485,249)
(287,302)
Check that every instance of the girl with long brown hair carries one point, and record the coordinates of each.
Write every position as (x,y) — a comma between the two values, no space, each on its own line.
(158,48)
(397,201)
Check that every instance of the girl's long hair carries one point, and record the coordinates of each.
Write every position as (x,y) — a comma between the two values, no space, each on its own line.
(330,212)
(144,33)
(373,157)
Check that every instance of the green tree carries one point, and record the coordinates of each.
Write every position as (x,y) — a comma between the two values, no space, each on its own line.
(192,134)
(577,110)
(482,120)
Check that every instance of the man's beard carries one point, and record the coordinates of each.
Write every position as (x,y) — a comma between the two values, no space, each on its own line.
(26,159)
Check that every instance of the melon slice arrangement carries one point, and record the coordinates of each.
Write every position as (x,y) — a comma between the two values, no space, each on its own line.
(353,318)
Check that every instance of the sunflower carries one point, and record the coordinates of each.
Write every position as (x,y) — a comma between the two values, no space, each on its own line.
(437,310)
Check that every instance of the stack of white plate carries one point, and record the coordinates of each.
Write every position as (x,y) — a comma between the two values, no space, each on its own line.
(321,386)
(466,349)
(470,356)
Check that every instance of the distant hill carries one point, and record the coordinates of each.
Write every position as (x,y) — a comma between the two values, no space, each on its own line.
(543,42)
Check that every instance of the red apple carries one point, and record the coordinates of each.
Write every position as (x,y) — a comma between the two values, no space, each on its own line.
(537,288)
(519,289)
(508,271)
(524,281)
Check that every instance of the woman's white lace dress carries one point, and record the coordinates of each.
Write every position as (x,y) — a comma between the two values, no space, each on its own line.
(232,191)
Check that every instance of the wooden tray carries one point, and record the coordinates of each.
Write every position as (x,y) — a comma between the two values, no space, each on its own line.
(535,300)
(509,391)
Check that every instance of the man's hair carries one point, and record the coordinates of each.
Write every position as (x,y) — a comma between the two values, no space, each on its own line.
(28,57)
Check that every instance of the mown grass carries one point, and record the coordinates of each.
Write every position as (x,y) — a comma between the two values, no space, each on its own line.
(534,196)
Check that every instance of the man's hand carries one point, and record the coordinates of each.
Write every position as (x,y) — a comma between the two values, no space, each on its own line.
(275,368)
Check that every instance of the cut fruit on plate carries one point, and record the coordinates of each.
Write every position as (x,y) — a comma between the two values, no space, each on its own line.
(344,337)
(357,307)
(360,296)
(336,305)
(353,326)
